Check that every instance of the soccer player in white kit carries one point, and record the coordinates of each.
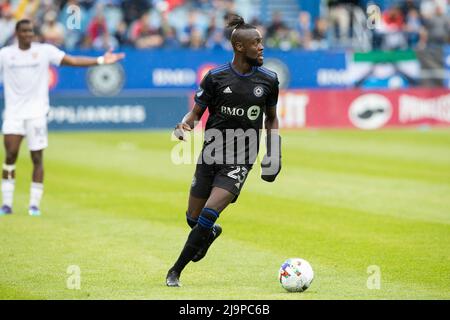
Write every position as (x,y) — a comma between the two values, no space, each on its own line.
(25,70)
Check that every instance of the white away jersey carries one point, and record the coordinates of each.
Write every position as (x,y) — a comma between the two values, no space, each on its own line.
(25,79)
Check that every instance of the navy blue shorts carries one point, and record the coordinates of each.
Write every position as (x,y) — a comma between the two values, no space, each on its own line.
(226,176)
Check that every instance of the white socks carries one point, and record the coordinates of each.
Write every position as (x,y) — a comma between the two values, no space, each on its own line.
(8,191)
(36,191)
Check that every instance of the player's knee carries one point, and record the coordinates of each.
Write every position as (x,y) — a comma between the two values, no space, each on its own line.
(11,157)
(207,218)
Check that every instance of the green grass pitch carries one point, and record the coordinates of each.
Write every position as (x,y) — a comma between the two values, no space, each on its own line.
(114,205)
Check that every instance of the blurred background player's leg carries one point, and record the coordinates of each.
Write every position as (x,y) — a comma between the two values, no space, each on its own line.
(37,186)
(37,142)
(12,146)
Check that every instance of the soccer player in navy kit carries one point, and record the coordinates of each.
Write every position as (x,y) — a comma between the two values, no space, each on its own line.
(236,95)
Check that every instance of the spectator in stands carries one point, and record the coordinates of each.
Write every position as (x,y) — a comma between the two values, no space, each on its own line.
(87,4)
(26,9)
(339,19)
(216,37)
(407,5)
(133,9)
(191,25)
(197,24)
(7,24)
(414,30)
(45,6)
(427,8)
(105,42)
(196,39)
(97,26)
(212,26)
(217,41)
(74,30)
(437,29)
(276,24)
(392,27)
(222,6)
(320,35)
(121,34)
(144,35)
(170,38)
(169,33)
(5,5)
(52,31)
(304,29)
(205,5)
(283,38)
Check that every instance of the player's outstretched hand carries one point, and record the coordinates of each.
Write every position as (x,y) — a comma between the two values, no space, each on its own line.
(271,163)
(111,57)
(180,129)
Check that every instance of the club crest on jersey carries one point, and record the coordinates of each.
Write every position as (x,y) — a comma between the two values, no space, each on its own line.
(258,91)
(253,112)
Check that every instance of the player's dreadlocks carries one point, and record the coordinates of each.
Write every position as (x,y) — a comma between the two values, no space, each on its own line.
(235,23)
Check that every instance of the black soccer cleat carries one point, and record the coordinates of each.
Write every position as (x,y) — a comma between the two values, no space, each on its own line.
(215,233)
(173,279)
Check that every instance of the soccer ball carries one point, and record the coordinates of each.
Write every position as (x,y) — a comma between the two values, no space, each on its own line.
(296,275)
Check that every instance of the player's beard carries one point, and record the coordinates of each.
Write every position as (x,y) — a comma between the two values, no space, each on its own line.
(253,61)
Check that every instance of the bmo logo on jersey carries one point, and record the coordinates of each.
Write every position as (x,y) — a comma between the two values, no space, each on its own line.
(252,112)
(231,111)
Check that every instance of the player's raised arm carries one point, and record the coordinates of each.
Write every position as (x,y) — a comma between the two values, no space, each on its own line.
(189,121)
(76,61)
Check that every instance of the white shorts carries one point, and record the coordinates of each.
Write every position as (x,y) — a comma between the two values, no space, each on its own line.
(35,130)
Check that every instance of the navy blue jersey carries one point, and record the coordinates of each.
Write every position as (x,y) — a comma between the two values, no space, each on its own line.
(238,102)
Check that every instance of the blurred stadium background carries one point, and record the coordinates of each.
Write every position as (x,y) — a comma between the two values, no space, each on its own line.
(348,197)
(318,49)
